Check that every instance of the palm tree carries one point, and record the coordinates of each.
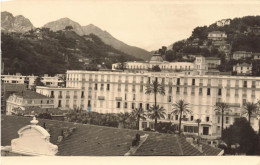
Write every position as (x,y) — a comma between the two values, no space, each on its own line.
(155,88)
(156,112)
(250,109)
(198,121)
(124,118)
(180,108)
(222,107)
(138,113)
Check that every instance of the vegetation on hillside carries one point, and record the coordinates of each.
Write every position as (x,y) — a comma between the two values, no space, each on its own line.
(240,37)
(48,52)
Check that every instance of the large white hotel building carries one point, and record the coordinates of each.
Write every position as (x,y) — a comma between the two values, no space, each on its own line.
(115,92)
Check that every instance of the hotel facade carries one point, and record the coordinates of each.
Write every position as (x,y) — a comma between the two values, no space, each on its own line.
(115,92)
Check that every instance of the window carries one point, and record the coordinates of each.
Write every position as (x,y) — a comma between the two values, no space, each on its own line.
(178,90)
(245,84)
(193,81)
(178,81)
(147,106)
(125,106)
(191,118)
(207,119)
(102,87)
(96,86)
(170,89)
(59,105)
(82,94)
(227,120)
(133,96)
(176,117)
(108,87)
(89,104)
(244,101)
(192,91)
(48,101)
(170,99)
(141,105)
(118,105)
(133,105)
(219,92)
(191,129)
(200,90)
(144,125)
(169,116)
(141,88)
(218,119)
(208,91)
(125,96)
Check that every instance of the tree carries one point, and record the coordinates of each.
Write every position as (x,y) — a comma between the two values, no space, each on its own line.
(243,134)
(68,28)
(155,88)
(155,113)
(124,118)
(222,107)
(198,121)
(180,108)
(138,113)
(250,109)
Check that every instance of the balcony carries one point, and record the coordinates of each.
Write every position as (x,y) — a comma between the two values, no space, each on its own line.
(82,96)
(52,96)
(60,96)
(253,86)
(67,96)
(200,84)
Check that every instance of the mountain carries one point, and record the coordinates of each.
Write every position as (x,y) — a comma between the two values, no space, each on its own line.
(60,24)
(19,23)
(45,51)
(105,36)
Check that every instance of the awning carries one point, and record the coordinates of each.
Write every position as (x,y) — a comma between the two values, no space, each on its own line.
(118,98)
(101,97)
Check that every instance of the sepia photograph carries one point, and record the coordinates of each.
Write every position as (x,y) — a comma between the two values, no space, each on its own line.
(143,79)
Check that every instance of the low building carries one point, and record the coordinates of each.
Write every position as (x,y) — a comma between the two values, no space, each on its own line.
(186,68)
(8,89)
(52,81)
(243,69)
(256,56)
(217,35)
(213,62)
(64,98)
(242,55)
(19,79)
(56,80)
(223,22)
(90,140)
(20,100)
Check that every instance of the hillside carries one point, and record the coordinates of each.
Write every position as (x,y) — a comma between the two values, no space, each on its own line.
(44,51)
(105,36)
(19,23)
(241,36)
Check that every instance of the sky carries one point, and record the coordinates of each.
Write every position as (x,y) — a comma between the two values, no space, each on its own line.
(148,24)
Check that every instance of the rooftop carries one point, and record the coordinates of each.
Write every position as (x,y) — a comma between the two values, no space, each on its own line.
(28,94)
(91,140)
(219,32)
(212,58)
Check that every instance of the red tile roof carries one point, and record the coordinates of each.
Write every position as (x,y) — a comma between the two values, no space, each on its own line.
(91,140)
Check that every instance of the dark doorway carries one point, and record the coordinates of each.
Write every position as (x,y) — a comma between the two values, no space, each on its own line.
(205,130)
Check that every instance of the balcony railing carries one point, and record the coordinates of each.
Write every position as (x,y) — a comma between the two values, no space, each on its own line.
(67,97)
(60,96)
